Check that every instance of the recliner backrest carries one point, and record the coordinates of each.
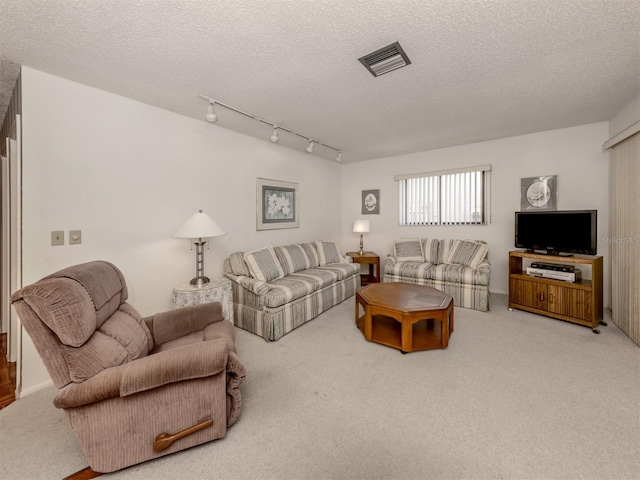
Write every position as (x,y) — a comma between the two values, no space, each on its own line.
(80,323)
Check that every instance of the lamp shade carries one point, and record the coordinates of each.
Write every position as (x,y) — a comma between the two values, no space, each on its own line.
(361,226)
(199,225)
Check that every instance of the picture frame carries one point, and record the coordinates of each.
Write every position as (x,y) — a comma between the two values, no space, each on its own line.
(539,193)
(276,204)
(370,202)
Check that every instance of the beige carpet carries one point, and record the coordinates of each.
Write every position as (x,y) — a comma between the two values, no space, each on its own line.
(515,396)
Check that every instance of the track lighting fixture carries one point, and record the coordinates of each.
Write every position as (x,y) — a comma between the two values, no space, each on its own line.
(211,115)
(310,147)
(274,135)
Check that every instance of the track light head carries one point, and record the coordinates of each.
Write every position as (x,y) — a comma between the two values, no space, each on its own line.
(274,135)
(211,115)
(310,147)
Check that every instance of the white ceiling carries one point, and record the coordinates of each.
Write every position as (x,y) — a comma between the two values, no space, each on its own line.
(481,69)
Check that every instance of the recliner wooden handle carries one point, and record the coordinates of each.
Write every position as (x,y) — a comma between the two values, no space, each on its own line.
(164,440)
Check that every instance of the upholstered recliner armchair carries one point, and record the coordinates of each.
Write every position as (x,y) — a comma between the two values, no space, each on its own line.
(133,388)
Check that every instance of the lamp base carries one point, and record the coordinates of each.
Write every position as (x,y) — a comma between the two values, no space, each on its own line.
(199,281)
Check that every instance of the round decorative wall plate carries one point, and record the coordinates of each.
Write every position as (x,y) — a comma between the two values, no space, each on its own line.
(539,193)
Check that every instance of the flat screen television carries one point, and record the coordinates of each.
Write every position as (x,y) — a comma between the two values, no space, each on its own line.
(557,232)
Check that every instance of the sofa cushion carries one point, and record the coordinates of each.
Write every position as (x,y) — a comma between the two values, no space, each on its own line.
(466,253)
(238,265)
(342,270)
(264,264)
(408,249)
(328,252)
(284,290)
(422,270)
(459,274)
(312,252)
(430,249)
(293,258)
(321,277)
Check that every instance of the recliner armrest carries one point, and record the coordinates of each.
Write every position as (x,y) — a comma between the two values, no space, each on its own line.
(172,324)
(196,360)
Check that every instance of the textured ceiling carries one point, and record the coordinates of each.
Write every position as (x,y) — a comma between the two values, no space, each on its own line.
(481,69)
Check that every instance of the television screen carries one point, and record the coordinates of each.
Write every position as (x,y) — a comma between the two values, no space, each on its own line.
(556,232)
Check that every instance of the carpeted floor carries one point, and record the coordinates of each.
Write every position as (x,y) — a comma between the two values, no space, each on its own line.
(515,396)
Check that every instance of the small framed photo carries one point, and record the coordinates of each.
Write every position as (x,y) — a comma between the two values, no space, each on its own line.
(539,193)
(370,202)
(276,204)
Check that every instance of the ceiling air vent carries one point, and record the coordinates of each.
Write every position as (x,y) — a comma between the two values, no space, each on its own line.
(385,60)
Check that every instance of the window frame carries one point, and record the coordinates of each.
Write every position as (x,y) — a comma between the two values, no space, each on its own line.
(485,184)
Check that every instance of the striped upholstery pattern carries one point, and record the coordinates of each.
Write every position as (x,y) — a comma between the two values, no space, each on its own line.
(271,323)
(408,249)
(293,258)
(312,253)
(264,264)
(466,253)
(468,286)
(286,289)
(342,270)
(238,265)
(328,252)
(274,307)
(430,249)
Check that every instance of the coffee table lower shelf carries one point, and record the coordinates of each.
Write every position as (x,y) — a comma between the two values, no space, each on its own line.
(426,334)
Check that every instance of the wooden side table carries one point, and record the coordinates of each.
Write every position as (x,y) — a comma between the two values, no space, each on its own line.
(371,259)
(217,290)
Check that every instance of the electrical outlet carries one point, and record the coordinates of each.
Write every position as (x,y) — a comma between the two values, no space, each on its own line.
(57,237)
(75,237)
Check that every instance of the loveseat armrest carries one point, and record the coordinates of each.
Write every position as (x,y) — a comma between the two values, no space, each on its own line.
(485,265)
(188,362)
(258,287)
(172,324)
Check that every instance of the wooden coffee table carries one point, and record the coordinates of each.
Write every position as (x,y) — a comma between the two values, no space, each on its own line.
(405,316)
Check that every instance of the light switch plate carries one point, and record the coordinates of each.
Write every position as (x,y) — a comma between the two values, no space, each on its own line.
(57,237)
(75,237)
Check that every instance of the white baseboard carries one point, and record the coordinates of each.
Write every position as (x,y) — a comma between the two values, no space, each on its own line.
(36,388)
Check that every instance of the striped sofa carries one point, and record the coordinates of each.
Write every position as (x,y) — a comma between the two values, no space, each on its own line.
(459,268)
(277,289)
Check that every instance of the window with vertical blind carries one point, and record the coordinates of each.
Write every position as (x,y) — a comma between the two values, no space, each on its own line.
(446,197)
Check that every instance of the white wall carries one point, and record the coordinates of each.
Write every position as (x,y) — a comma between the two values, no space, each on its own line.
(574,154)
(128,175)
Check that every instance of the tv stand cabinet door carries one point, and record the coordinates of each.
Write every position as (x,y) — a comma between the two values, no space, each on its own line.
(570,302)
(528,293)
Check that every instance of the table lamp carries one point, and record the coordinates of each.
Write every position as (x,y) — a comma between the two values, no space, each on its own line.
(361,226)
(198,227)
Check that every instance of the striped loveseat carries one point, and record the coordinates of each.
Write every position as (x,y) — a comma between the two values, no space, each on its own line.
(459,268)
(277,289)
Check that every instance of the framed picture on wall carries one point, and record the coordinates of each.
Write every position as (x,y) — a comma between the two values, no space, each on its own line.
(370,202)
(539,193)
(276,204)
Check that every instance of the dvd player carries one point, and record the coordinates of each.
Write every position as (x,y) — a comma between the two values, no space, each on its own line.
(553,266)
(572,277)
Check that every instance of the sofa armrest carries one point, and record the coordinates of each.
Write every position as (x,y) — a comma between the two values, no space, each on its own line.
(485,266)
(258,287)
(172,324)
(196,360)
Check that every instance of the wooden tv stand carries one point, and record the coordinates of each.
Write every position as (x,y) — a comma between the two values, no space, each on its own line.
(579,302)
